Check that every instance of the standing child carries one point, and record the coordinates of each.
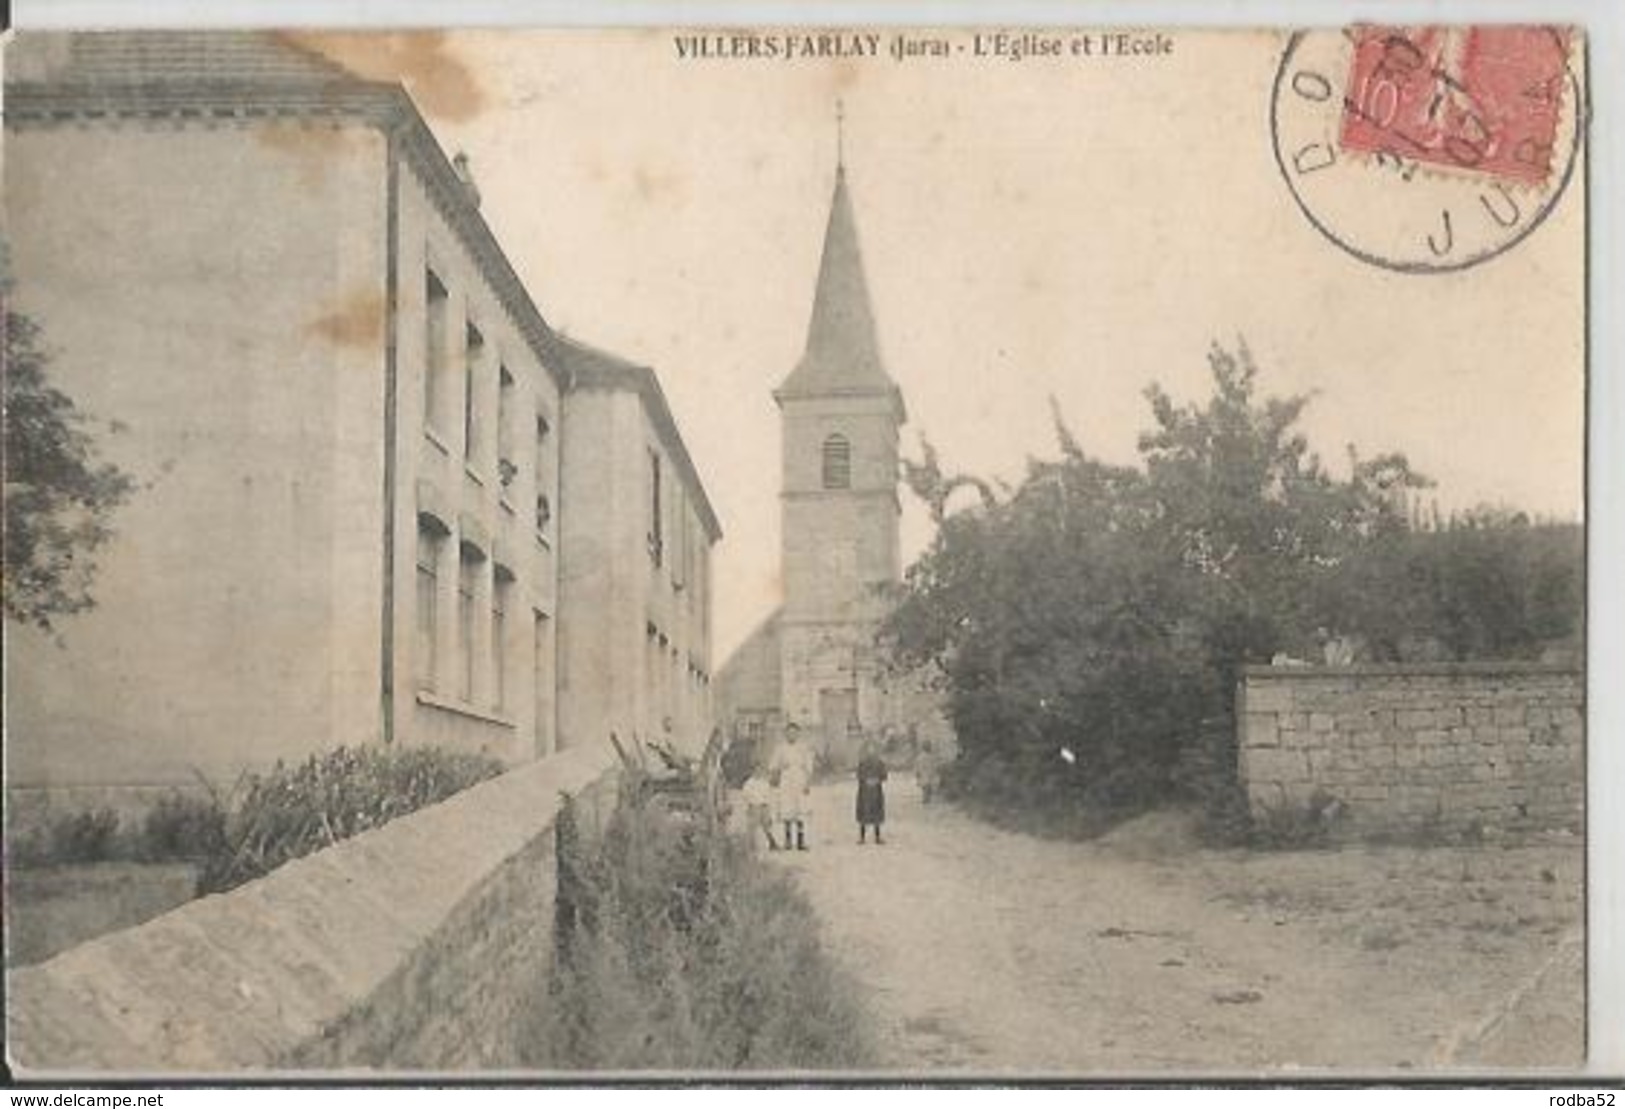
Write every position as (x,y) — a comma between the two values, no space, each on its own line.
(871,793)
(757,795)
(793,766)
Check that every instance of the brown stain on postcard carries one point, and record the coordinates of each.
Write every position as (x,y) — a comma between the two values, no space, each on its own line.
(844,74)
(357,320)
(440,81)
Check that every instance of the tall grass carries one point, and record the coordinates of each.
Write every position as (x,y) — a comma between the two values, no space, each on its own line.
(677,949)
(291,811)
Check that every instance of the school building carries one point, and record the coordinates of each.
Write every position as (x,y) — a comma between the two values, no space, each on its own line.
(380,499)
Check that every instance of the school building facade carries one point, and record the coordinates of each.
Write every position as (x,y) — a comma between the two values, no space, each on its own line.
(361,504)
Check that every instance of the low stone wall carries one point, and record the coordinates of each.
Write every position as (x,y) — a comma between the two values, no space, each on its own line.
(410,947)
(1418,747)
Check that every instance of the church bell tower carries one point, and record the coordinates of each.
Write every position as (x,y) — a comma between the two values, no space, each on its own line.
(840,413)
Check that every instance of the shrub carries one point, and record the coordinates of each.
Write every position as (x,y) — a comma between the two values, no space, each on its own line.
(66,838)
(1291,827)
(183,826)
(84,837)
(1226,819)
(678,949)
(293,810)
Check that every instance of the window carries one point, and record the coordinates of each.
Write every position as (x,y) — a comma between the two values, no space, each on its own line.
(544,506)
(657,542)
(468,572)
(837,463)
(473,355)
(430,541)
(434,353)
(501,584)
(506,470)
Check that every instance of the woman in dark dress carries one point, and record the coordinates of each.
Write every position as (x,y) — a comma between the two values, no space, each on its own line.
(871,793)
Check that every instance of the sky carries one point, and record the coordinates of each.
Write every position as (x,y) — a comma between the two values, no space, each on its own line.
(1031,228)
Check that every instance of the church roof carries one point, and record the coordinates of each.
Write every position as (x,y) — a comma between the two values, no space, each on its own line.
(842,356)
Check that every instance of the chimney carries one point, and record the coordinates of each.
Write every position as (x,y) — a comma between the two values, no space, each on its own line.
(459,165)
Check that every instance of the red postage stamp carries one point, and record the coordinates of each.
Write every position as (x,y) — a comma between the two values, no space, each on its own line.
(1484,98)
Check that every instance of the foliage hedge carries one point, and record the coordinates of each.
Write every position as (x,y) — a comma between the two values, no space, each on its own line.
(1088,625)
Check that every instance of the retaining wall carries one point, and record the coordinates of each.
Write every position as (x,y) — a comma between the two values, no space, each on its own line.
(1404,748)
(412,947)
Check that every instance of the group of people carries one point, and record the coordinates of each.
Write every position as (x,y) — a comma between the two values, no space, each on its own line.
(776,795)
(1326,647)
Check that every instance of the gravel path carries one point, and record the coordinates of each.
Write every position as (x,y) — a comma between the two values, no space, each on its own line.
(989,951)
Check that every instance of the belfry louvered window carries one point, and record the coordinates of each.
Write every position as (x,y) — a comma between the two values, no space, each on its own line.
(837,463)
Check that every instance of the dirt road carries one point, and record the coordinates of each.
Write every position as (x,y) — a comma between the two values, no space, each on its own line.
(982,950)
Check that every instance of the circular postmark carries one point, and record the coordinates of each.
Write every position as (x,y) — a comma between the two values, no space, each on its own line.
(1427,149)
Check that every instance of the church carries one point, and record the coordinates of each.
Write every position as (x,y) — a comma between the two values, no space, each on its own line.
(814,662)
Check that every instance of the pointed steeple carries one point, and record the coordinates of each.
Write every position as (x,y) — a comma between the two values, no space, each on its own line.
(842,356)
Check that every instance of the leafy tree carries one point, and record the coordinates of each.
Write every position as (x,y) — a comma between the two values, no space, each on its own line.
(59,497)
(1089,625)
(1489,585)
(1255,515)
(1050,615)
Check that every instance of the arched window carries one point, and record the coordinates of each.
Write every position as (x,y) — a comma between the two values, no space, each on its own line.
(837,463)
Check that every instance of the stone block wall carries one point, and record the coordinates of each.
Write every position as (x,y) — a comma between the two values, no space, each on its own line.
(413,947)
(1443,747)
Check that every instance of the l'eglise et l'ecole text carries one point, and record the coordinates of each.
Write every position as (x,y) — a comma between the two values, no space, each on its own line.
(1008,45)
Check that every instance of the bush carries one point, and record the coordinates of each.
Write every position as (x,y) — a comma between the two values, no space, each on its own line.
(679,950)
(77,837)
(292,811)
(1292,827)
(84,837)
(183,826)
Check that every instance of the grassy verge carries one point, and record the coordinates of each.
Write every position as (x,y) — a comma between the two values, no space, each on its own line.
(679,950)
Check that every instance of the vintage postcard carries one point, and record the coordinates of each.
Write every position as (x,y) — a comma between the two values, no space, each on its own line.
(796,551)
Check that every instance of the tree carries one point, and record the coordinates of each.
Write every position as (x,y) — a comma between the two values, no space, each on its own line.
(1255,515)
(1489,585)
(59,497)
(1067,672)
(1090,624)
